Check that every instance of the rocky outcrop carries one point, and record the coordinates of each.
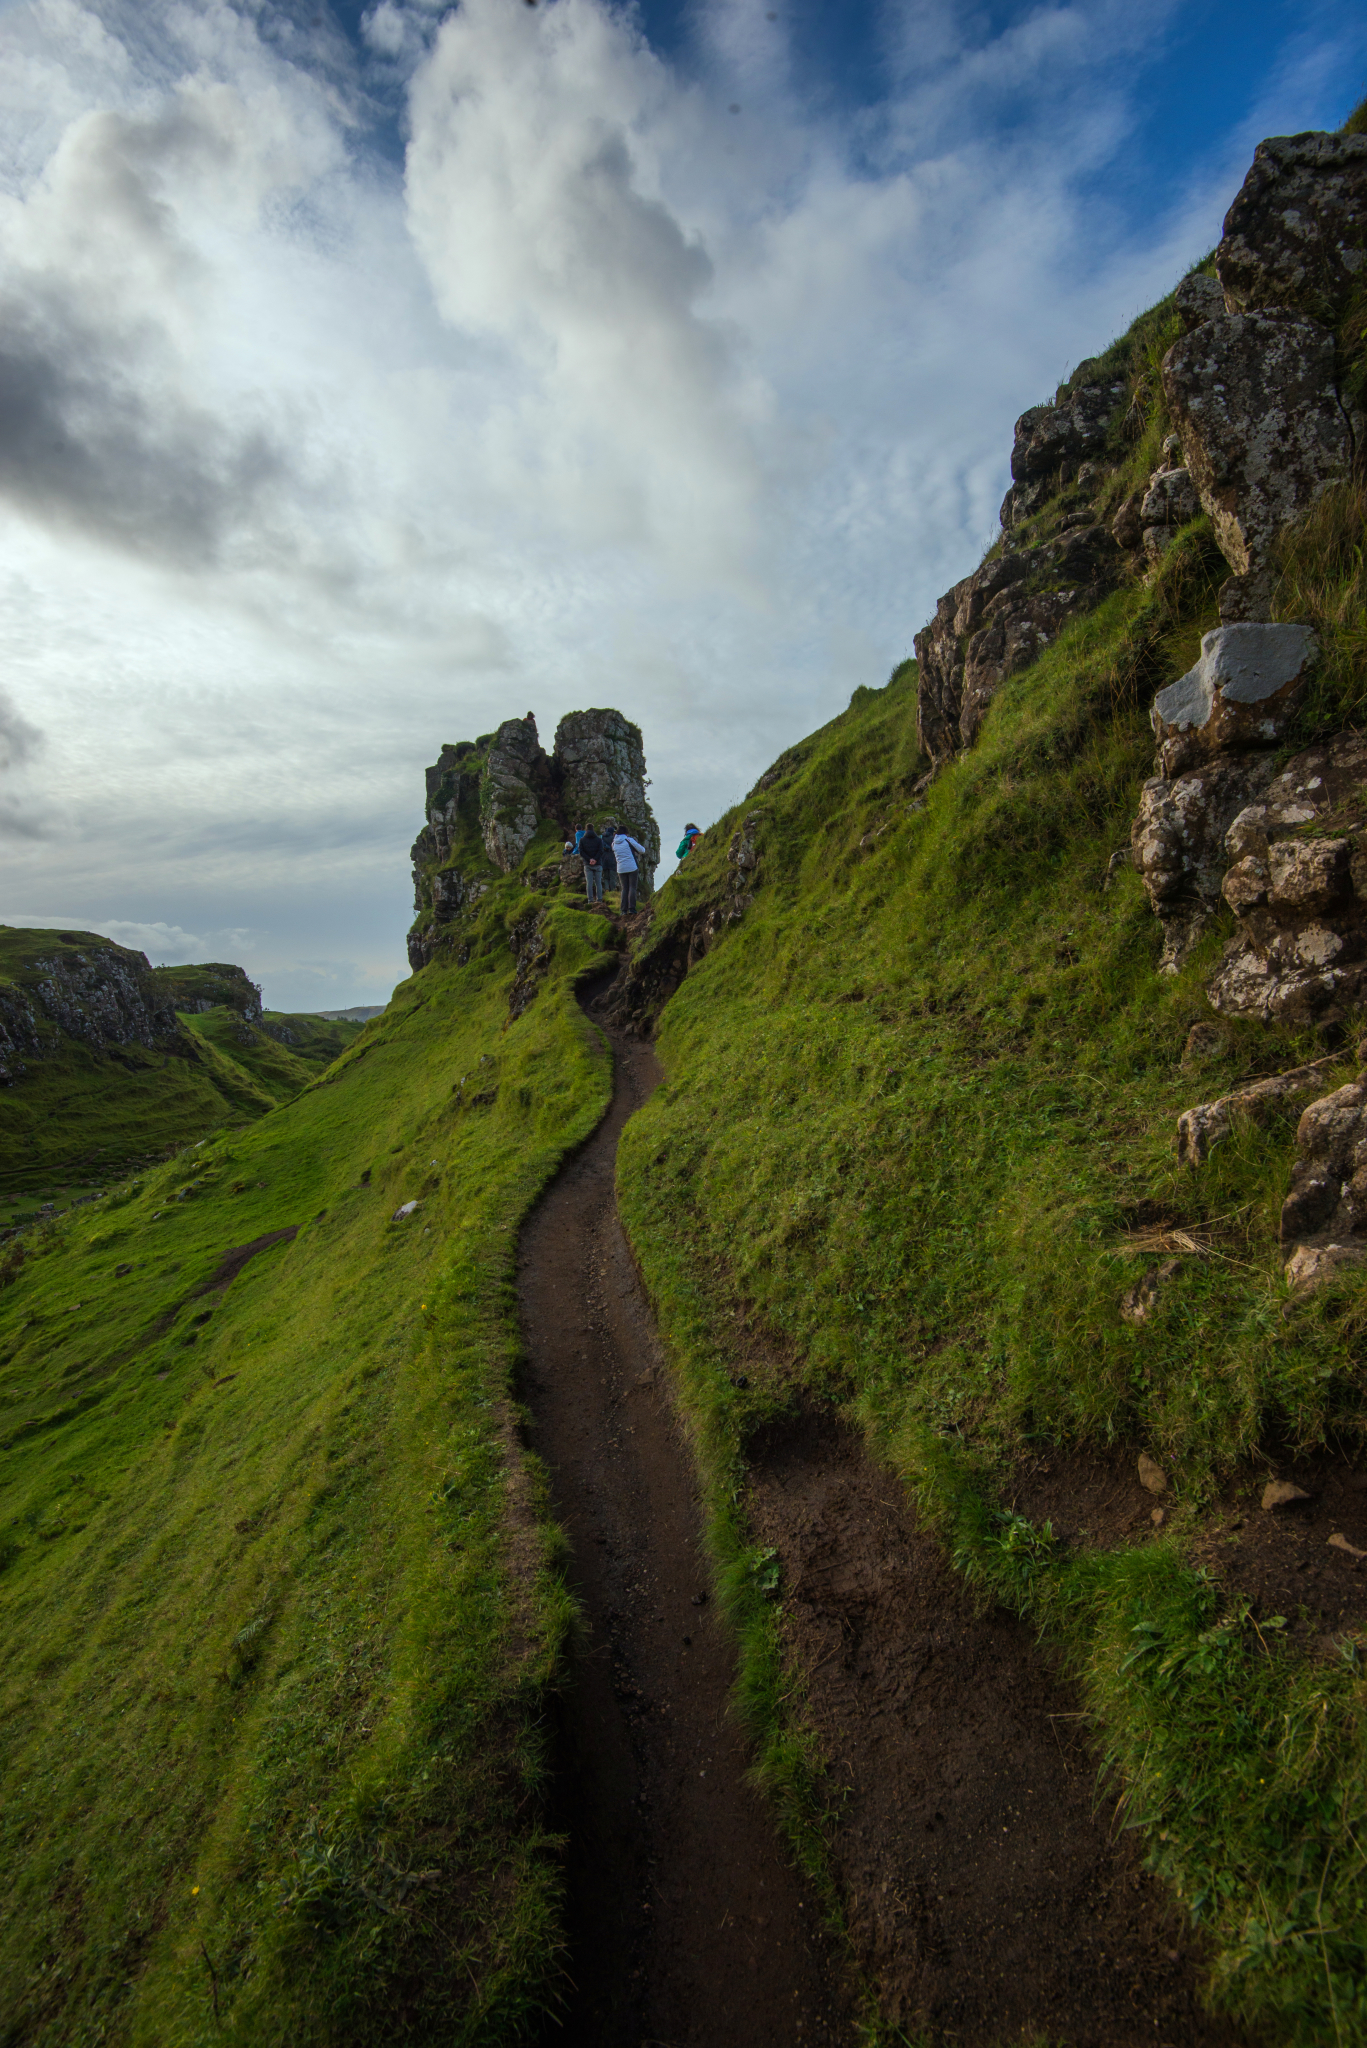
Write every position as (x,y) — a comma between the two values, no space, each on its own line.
(998,621)
(75,983)
(1052,441)
(1296,882)
(1177,842)
(1324,1218)
(1240,694)
(1255,400)
(210,985)
(1253,385)
(513,793)
(601,765)
(1296,234)
(488,798)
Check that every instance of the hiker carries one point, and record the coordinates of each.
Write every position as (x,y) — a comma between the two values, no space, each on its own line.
(606,832)
(591,853)
(685,845)
(624,852)
(578,835)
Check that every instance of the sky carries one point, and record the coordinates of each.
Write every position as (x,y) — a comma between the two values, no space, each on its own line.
(371,373)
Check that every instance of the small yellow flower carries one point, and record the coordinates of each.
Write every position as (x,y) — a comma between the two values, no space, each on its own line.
(194,1891)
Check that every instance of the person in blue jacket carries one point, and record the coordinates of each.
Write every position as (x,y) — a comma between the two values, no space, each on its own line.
(624,852)
(685,845)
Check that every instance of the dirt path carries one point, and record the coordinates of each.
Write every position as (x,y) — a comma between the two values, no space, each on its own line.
(989,1897)
(987,1900)
(688,1928)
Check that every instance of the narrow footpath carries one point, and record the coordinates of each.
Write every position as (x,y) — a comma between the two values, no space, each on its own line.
(688,1927)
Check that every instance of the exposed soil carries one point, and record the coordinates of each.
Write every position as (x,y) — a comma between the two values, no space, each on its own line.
(985,1896)
(687,1924)
(1279,1559)
(1090,1497)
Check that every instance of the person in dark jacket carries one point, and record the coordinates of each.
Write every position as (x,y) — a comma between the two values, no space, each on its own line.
(591,853)
(606,832)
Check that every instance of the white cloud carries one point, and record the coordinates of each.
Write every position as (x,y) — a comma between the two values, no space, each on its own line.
(613,397)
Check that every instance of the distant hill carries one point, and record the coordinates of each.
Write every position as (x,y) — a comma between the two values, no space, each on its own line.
(106,1061)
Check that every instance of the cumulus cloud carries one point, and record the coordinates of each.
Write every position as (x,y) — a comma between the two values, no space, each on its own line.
(534,197)
(312,458)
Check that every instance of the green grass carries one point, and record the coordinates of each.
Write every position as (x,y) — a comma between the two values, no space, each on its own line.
(276,1069)
(280,1607)
(912,1105)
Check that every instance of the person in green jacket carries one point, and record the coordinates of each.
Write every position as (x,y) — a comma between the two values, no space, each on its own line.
(685,845)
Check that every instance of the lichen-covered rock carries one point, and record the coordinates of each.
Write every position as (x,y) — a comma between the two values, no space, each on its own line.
(1178,843)
(1324,1218)
(1200,1129)
(1243,689)
(1051,441)
(996,622)
(508,808)
(600,768)
(1254,396)
(1296,234)
(1199,297)
(1297,883)
(1168,503)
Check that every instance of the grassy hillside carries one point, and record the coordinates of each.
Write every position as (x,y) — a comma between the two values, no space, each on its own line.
(917,1133)
(276,1605)
(276,1069)
(81,1110)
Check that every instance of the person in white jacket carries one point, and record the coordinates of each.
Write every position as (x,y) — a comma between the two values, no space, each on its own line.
(625,850)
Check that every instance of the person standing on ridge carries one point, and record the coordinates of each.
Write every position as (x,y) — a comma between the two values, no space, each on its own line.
(624,852)
(685,845)
(591,853)
(606,831)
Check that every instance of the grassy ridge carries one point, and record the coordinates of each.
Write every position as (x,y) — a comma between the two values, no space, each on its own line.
(914,1105)
(276,1604)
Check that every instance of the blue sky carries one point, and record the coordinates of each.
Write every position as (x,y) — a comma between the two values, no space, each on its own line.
(369,373)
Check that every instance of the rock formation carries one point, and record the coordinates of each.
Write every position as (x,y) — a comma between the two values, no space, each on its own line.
(1254,384)
(996,622)
(100,994)
(488,799)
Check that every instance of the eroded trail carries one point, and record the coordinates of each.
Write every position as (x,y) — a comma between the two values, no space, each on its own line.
(687,1924)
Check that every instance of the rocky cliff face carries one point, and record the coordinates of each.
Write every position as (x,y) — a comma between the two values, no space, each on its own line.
(1259,385)
(487,800)
(100,994)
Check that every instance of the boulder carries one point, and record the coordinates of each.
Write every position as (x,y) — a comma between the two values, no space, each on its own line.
(1199,297)
(1324,1218)
(1295,235)
(1243,689)
(1178,843)
(1300,902)
(1168,503)
(1254,396)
